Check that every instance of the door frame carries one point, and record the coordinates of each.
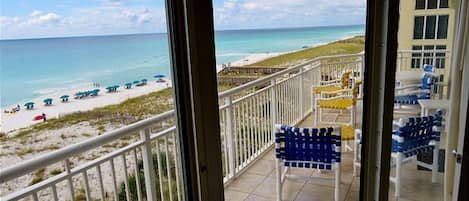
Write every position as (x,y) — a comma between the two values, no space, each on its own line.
(382,23)
(192,53)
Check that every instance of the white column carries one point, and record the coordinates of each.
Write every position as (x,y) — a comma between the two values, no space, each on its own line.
(148,169)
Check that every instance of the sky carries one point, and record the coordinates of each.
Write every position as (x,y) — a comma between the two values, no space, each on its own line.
(61,18)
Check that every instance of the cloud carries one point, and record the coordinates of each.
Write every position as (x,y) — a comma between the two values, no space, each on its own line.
(99,20)
(121,17)
(280,13)
(40,18)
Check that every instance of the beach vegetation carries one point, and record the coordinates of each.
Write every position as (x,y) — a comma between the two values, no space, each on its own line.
(22,152)
(38,176)
(55,171)
(132,180)
(346,46)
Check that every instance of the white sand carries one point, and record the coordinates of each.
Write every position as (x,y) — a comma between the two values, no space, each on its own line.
(24,118)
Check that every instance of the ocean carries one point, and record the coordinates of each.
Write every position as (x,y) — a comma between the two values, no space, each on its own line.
(35,67)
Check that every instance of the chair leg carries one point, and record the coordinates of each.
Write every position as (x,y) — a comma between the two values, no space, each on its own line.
(397,183)
(355,157)
(435,164)
(279,179)
(337,182)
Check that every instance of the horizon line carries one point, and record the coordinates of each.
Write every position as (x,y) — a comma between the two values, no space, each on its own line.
(149,33)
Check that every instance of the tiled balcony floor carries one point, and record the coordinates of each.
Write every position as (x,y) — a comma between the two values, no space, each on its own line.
(258,183)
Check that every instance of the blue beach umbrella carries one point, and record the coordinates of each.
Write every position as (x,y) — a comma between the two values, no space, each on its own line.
(29,105)
(144,80)
(136,82)
(64,98)
(47,101)
(159,76)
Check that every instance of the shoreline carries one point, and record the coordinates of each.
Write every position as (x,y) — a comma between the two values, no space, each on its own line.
(24,118)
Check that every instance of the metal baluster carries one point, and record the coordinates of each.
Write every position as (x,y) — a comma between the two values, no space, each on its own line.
(148,168)
(126,177)
(100,178)
(69,178)
(87,185)
(137,175)
(114,180)
(160,173)
(168,168)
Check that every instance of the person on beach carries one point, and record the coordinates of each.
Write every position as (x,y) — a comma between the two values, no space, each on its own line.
(18,107)
(43,117)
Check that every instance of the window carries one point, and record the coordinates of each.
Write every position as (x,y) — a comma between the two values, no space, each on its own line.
(431,27)
(443,3)
(428,54)
(442,27)
(416,57)
(420,4)
(430,4)
(418,27)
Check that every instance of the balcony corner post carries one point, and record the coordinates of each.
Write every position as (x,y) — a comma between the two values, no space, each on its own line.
(273,105)
(230,138)
(302,94)
(148,169)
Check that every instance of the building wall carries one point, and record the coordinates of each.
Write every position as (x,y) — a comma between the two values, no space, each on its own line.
(406,31)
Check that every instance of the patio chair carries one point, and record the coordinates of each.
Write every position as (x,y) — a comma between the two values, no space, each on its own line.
(313,148)
(408,95)
(413,136)
(333,85)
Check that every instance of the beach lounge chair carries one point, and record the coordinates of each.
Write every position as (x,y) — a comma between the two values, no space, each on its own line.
(311,148)
(414,135)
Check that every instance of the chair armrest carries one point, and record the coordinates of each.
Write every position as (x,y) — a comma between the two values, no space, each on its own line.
(414,92)
(328,82)
(412,86)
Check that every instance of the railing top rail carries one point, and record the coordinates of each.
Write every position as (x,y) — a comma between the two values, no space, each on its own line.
(52,157)
(270,77)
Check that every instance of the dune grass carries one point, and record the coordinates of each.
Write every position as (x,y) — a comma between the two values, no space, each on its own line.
(127,112)
(347,46)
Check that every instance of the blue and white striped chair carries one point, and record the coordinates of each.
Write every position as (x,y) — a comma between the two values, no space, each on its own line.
(410,94)
(314,148)
(415,135)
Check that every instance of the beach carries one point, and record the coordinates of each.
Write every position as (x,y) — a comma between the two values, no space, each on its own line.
(24,118)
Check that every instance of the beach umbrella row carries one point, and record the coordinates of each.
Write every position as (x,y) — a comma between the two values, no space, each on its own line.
(82,94)
(95,92)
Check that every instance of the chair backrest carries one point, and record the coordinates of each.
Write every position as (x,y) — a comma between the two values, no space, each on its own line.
(428,80)
(428,68)
(317,148)
(415,133)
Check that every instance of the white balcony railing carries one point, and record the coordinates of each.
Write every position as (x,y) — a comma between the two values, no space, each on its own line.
(247,116)
(408,60)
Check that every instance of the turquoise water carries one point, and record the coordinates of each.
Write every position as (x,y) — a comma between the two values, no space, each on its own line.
(35,67)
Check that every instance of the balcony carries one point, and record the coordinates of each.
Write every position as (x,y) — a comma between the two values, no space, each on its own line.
(247,116)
